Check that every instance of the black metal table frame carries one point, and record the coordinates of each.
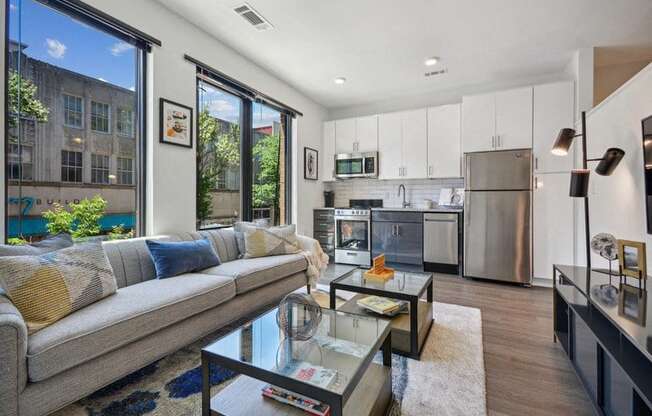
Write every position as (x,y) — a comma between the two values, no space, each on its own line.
(334,400)
(415,348)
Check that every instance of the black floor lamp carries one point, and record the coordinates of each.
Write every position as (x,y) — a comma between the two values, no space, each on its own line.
(579,185)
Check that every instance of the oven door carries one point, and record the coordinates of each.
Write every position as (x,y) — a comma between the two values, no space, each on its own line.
(349,166)
(352,233)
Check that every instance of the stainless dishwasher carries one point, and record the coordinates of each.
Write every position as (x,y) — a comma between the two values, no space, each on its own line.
(441,242)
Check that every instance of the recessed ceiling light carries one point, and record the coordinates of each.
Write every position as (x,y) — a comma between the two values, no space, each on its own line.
(431,61)
(340,80)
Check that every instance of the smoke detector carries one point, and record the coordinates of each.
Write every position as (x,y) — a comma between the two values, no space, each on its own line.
(253,17)
(433,73)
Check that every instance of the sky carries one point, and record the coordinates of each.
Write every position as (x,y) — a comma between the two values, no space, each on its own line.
(64,42)
(226,106)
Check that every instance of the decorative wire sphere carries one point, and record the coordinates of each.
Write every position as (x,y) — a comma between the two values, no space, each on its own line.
(605,245)
(298,316)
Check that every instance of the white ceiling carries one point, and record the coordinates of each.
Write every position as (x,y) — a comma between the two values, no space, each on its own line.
(380,45)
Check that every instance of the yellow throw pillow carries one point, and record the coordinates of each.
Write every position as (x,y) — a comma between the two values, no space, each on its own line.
(47,287)
(274,241)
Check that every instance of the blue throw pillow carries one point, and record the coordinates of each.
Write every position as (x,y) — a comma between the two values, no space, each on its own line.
(175,258)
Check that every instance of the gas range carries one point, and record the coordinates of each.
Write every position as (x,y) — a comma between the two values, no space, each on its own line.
(353,232)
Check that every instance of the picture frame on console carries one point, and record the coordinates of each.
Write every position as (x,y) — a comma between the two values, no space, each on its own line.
(633,262)
(632,303)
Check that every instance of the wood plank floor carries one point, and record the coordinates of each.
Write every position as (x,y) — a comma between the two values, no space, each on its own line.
(527,374)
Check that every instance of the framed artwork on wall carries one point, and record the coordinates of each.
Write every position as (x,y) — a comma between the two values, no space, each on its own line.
(175,123)
(310,164)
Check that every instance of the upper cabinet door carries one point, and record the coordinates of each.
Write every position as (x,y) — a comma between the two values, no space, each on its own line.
(390,137)
(478,123)
(327,161)
(415,144)
(514,119)
(554,106)
(444,141)
(366,134)
(345,136)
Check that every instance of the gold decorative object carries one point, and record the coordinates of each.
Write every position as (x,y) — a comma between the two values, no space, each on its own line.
(379,271)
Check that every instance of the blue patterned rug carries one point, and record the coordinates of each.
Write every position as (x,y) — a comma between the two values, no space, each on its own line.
(448,380)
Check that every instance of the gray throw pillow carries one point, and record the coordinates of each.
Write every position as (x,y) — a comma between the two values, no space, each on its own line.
(47,287)
(52,243)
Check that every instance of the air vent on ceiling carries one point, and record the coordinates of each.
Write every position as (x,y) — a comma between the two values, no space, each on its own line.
(253,17)
(433,73)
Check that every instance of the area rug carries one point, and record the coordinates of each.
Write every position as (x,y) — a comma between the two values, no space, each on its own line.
(449,380)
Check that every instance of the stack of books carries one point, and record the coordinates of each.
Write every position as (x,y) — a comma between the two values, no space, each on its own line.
(308,373)
(382,306)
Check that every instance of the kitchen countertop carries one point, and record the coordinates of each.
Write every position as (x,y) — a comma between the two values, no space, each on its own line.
(413,209)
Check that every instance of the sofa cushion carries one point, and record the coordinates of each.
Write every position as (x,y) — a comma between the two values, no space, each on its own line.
(130,314)
(250,274)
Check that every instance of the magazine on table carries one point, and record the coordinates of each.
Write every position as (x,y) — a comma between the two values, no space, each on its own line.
(304,403)
(310,373)
(382,306)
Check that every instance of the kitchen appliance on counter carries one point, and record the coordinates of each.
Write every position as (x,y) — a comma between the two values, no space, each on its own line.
(353,232)
(329,199)
(441,239)
(497,220)
(356,165)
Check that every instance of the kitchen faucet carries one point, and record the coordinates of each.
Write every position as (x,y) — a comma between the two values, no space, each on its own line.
(405,204)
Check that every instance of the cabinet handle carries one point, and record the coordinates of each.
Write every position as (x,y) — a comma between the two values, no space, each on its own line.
(536,163)
(430,170)
(536,183)
(500,142)
(493,142)
(398,230)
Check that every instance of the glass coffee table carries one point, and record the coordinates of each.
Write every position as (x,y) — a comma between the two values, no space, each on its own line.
(342,350)
(409,331)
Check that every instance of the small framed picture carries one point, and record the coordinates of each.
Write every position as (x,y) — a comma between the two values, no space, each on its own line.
(631,255)
(632,303)
(310,164)
(176,123)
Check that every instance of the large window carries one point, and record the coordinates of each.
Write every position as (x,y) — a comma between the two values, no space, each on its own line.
(125,171)
(125,123)
(218,157)
(71,166)
(242,168)
(100,169)
(73,111)
(268,164)
(100,117)
(68,80)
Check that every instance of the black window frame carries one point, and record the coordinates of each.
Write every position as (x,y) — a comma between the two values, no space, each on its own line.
(76,168)
(215,80)
(121,173)
(143,44)
(100,170)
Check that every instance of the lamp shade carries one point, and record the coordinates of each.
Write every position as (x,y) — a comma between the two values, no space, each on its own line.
(610,161)
(579,186)
(563,142)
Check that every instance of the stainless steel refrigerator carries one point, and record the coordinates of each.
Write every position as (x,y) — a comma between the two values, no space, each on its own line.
(497,216)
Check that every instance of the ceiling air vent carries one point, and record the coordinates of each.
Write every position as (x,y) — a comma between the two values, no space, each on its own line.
(433,73)
(253,17)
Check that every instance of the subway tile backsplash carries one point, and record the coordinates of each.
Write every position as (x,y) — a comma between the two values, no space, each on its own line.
(416,190)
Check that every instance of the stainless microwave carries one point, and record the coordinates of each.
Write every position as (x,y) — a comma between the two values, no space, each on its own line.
(356,165)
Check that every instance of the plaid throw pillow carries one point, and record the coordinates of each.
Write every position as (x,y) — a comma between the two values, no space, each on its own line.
(274,241)
(47,287)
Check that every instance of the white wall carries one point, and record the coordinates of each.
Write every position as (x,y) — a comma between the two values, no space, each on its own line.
(171,170)
(617,202)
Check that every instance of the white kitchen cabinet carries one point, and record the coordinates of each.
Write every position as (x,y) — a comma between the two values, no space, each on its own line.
(554,106)
(553,223)
(366,134)
(327,160)
(415,144)
(354,135)
(514,119)
(345,135)
(497,121)
(390,146)
(478,123)
(444,141)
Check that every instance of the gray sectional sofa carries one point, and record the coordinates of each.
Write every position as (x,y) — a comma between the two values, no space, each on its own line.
(144,321)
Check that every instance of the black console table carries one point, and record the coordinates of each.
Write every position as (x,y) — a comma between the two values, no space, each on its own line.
(607,334)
